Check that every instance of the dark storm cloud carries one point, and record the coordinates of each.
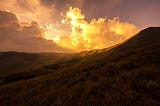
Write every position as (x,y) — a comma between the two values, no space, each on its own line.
(18,36)
(7,18)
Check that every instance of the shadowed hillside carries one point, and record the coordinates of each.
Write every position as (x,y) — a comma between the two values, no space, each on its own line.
(146,37)
(127,74)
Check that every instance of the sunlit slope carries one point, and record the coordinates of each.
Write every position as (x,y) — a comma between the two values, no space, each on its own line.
(127,74)
(144,38)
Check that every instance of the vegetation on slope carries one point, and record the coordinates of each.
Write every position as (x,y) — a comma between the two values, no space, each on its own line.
(124,75)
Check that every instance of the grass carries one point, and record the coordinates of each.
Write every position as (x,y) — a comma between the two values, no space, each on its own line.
(130,77)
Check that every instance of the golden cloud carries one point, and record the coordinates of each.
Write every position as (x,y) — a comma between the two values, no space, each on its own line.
(20,36)
(75,32)
(96,34)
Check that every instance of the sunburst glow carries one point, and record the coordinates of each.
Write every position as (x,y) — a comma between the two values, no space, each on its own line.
(95,34)
(79,25)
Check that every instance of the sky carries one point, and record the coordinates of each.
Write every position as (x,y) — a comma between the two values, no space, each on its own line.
(143,13)
(66,25)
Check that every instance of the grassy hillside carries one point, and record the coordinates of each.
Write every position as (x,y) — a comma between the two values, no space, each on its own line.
(15,66)
(128,74)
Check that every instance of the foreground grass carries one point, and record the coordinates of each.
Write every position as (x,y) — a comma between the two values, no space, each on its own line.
(118,76)
(129,78)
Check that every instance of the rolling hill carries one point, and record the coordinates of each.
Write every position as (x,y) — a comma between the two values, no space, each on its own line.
(126,74)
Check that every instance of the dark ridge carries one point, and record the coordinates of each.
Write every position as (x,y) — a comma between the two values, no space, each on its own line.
(146,37)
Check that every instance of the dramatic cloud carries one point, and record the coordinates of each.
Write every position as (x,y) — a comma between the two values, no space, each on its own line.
(82,31)
(28,10)
(48,11)
(7,19)
(95,34)
(19,36)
